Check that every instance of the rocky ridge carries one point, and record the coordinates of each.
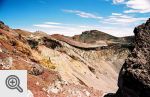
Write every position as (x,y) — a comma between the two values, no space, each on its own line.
(98,37)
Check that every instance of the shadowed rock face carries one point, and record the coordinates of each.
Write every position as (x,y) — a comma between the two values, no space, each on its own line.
(134,77)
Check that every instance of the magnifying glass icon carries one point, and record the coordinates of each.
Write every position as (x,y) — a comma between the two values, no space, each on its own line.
(13,82)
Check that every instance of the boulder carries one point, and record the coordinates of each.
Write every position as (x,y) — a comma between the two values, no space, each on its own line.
(134,77)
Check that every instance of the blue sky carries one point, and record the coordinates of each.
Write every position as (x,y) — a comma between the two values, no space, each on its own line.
(71,17)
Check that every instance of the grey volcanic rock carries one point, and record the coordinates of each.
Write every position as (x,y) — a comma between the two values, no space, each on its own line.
(134,77)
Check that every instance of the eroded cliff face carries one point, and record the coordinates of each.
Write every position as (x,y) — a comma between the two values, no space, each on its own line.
(134,77)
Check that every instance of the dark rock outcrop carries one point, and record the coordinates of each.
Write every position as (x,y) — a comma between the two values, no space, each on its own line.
(134,77)
(3,26)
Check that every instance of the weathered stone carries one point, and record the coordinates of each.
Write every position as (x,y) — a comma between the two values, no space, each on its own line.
(134,77)
(6,63)
(36,70)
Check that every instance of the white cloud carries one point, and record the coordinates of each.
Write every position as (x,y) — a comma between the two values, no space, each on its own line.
(123,19)
(135,6)
(118,1)
(52,23)
(46,26)
(83,14)
(116,14)
(138,6)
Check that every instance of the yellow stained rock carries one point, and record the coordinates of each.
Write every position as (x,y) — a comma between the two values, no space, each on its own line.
(47,63)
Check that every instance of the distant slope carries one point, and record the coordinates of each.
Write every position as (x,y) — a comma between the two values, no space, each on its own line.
(94,36)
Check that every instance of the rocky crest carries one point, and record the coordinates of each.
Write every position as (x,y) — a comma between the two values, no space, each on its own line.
(134,77)
(95,36)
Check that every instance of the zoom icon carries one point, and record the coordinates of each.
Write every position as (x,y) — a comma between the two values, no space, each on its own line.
(13,82)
